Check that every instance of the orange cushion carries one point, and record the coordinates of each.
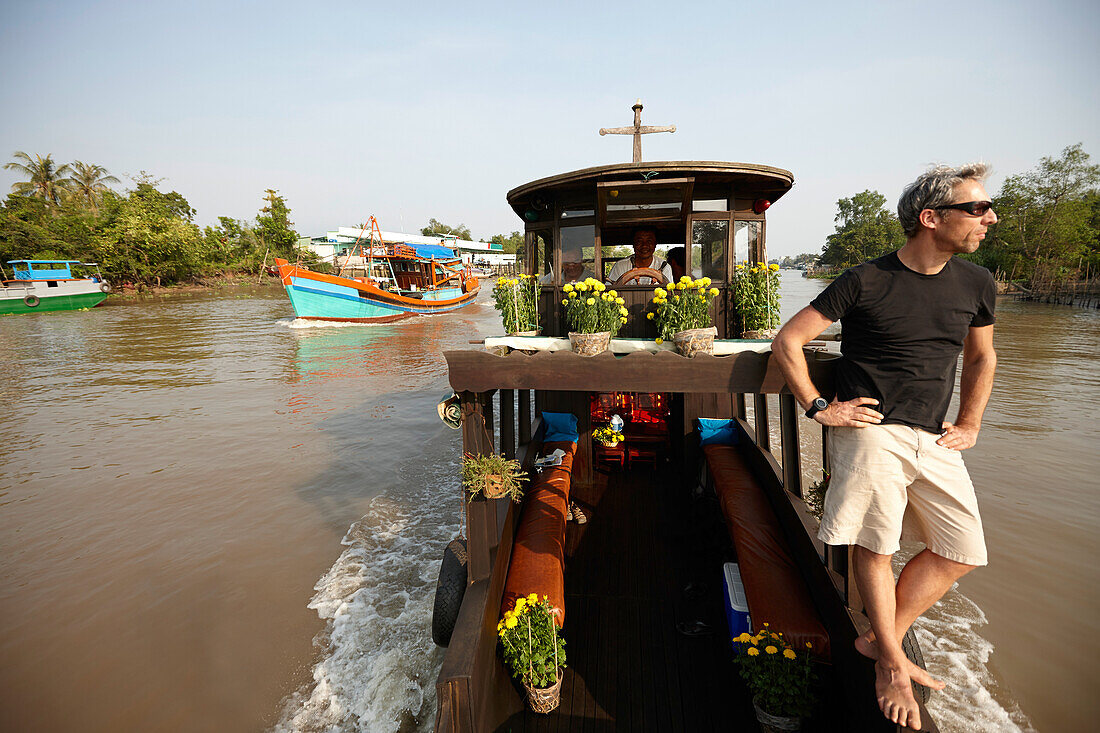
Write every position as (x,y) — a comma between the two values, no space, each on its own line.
(538,554)
(774,586)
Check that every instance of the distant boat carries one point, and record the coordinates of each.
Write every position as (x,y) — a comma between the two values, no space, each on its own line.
(49,285)
(401,280)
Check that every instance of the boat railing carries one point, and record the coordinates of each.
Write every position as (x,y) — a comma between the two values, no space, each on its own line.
(496,390)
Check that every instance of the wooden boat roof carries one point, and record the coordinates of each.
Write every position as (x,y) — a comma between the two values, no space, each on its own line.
(758,180)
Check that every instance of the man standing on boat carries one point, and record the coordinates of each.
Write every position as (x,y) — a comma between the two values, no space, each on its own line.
(644,241)
(895,463)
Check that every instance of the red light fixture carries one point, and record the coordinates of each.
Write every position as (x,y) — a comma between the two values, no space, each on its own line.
(760,205)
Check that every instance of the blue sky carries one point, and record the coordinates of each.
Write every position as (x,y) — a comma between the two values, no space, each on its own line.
(418,110)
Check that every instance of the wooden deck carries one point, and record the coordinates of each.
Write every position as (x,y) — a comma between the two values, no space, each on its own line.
(626,572)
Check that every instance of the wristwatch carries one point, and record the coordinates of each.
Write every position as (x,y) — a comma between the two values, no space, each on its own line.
(819,404)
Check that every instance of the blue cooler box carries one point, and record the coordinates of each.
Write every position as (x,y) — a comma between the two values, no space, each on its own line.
(737,606)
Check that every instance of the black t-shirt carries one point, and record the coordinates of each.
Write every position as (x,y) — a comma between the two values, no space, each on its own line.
(902,333)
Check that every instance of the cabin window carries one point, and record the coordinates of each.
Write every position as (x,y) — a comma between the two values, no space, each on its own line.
(708,249)
(543,253)
(578,253)
(746,241)
(709,205)
(51,283)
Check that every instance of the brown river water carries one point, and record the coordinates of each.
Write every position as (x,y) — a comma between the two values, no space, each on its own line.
(213,519)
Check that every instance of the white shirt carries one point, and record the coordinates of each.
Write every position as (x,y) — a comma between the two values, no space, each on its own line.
(626,264)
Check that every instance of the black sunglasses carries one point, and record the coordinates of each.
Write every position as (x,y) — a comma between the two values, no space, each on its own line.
(974,208)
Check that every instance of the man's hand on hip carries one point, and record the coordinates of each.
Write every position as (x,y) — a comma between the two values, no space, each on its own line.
(853,413)
(958,437)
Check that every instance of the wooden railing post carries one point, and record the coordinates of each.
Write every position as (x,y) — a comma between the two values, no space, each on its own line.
(739,405)
(524,416)
(788,432)
(508,423)
(760,415)
(481,516)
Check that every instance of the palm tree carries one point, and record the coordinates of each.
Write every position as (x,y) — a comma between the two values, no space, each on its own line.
(46,180)
(88,182)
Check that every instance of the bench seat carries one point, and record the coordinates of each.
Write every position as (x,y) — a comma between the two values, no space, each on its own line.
(774,587)
(538,553)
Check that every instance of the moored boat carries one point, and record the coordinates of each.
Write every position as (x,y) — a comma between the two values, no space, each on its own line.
(49,285)
(399,281)
(639,584)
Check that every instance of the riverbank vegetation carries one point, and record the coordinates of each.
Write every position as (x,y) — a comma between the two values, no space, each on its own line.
(1048,228)
(143,237)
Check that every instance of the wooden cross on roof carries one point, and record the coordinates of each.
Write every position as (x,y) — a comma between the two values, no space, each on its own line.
(637,130)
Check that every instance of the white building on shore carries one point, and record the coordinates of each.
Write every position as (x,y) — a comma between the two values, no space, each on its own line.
(336,244)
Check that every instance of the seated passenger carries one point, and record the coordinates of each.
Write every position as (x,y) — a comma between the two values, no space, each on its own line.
(677,263)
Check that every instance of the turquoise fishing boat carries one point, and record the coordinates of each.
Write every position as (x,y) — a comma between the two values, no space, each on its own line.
(49,285)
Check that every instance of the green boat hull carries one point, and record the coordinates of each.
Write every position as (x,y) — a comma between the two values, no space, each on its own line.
(52,303)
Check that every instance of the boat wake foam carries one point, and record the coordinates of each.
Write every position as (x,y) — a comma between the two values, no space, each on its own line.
(956,653)
(380,664)
(300,323)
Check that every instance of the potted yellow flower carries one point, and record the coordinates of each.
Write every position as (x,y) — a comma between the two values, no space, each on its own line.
(534,650)
(607,436)
(756,299)
(517,300)
(595,315)
(492,476)
(780,678)
(682,314)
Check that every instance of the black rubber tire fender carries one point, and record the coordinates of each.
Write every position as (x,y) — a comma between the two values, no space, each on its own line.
(449,589)
(913,652)
(30,301)
(105,287)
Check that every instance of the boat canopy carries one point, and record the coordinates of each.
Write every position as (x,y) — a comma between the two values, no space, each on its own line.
(438,251)
(42,269)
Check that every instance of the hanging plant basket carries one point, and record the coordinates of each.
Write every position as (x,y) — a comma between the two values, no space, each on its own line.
(494,486)
(589,344)
(695,341)
(544,699)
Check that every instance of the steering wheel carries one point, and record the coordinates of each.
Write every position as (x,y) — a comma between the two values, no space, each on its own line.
(637,274)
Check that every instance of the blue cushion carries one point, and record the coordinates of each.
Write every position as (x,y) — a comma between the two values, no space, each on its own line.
(560,426)
(720,431)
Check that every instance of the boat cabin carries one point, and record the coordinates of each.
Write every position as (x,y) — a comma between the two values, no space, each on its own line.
(579,224)
(43,269)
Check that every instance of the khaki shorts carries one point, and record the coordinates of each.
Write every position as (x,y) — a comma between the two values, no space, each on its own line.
(893,482)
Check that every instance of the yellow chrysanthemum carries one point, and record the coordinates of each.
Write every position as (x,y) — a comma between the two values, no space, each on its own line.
(770,649)
(573,295)
(613,294)
(789,653)
(568,288)
(675,298)
(512,622)
(624,312)
(659,340)
(706,281)
(773,267)
(649,316)
(713,291)
(590,301)
(753,651)
(685,279)
(809,645)
(533,598)
(743,638)
(620,301)
(740,267)
(581,287)
(623,319)
(660,292)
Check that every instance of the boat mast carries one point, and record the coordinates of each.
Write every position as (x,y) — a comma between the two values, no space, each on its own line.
(637,130)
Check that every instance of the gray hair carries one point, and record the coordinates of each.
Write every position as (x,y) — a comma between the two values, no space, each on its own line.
(933,188)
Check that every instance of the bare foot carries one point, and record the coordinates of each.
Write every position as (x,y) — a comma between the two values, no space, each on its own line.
(867,646)
(895,696)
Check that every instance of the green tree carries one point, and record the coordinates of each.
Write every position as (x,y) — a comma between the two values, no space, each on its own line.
(89,182)
(1047,224)
(439,229)
(273,226)
(45,179)
(511,243)
(865,230)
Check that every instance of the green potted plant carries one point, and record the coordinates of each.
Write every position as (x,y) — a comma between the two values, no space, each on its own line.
(595,315)
(756,299)
(534,650)
(492,476)
(781,679)
(682,315)
(517,300)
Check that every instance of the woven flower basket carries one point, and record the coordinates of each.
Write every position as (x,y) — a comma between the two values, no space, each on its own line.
(695,341)
(774,723)
(764,333)
(536,332)
(589,344)
(544,699)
